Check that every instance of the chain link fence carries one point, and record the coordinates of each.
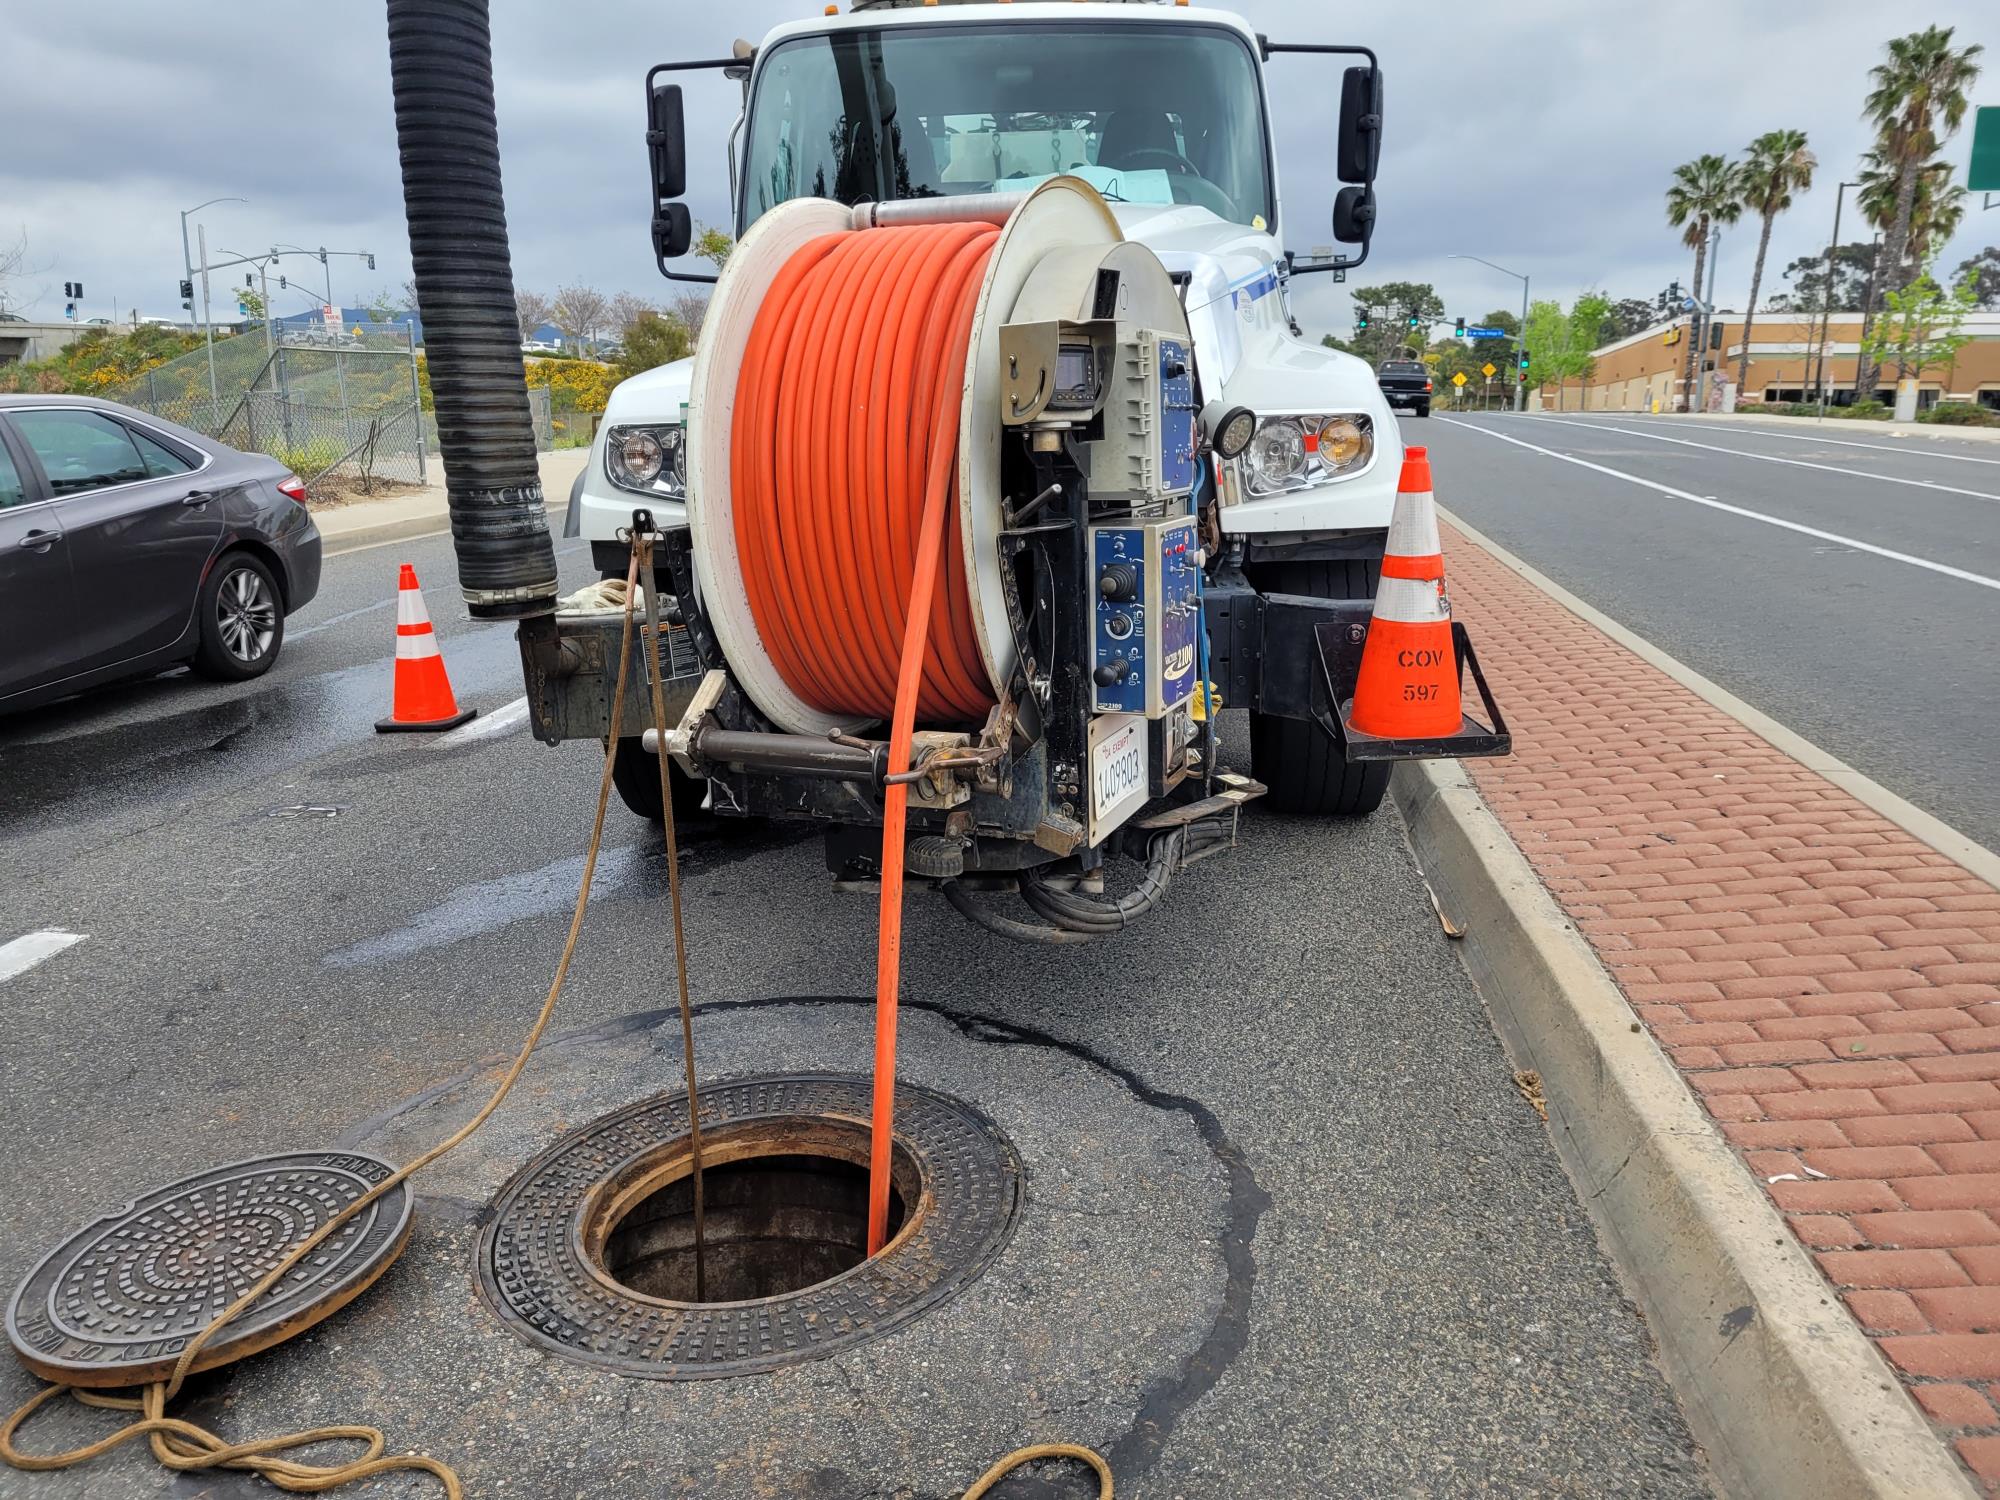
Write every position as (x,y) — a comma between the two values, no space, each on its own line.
(342,411)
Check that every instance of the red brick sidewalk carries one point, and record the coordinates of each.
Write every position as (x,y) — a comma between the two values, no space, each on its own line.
(1829,985)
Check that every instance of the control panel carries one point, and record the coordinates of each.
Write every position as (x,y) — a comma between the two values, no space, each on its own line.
(1148,577)
(1177,414)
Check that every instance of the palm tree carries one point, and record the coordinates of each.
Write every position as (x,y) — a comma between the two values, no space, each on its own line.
(1705,192)
(1777,165)
(1935,209)
(1922,81)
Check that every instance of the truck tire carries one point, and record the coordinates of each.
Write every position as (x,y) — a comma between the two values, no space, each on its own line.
(1424,410)
(1296,759)
(635,772)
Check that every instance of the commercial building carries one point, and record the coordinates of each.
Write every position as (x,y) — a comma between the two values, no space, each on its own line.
(1644,371)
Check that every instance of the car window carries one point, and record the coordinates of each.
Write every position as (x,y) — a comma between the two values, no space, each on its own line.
(159,461)
(12,491)
(80,450)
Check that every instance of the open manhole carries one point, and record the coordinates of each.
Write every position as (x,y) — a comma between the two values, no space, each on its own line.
(590,1249)
(116,1302)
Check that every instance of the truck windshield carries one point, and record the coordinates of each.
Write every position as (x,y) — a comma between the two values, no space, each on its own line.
(1147,113)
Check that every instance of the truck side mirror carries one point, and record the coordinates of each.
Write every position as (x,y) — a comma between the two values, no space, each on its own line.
(673,231)
(1359,147)
(1353,215)
(666,143)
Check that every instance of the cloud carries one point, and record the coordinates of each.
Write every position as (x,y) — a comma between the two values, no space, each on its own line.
(1538,134)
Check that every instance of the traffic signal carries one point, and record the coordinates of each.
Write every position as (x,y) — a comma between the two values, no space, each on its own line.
(322,255)
(1524,360)
(1461,328)
(73,289)
(187,291)
(1413,322)
(371,262)
(281,283)
(249,281)
(1361,323)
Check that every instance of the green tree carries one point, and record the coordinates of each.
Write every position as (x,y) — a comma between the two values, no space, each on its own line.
(1776,166)
(713,244)
(1705,192)
(1562,345)
(652,339)
(1389,309)
(383,306)
(1919,86)
(1629,315)
(1983,272)
(1921,325)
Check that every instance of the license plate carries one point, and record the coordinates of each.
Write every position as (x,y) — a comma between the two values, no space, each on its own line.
(1117,772)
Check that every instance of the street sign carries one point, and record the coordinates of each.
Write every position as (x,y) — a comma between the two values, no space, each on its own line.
(1489,369)
(1486,333)
(1984,175)
(1459,379)
(330,317)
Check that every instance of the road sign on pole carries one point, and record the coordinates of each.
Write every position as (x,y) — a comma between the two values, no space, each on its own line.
(1459,380)
(1984,175)
(1486,333)
(1489,369)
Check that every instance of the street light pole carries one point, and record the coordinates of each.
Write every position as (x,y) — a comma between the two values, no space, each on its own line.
(187,265)
(1521,338)
(208,326)
(1707,321)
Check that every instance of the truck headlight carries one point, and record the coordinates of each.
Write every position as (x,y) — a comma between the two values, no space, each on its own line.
(648,460)
(1298,452)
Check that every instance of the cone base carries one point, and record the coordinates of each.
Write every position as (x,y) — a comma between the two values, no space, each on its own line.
(414,726)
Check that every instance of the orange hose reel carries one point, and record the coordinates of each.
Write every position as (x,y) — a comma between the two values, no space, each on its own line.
(843,454)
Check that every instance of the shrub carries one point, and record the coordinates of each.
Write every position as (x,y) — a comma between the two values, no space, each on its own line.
(1861,411)
(1961,414)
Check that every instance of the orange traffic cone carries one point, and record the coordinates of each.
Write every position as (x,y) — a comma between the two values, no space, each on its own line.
(423,697)
(1408,684)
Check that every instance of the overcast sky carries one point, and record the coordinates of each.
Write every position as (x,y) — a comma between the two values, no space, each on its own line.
(1539,134)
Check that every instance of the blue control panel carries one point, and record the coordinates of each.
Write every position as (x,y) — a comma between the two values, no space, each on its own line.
(1148,609)
(1177,417)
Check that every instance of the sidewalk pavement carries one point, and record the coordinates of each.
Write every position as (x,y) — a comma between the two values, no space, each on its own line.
(1834,426)
(1827,983)
(422,512)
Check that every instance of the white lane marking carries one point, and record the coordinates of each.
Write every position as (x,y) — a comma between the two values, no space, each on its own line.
(1913,448)
(1737,510)
(340,619)
(24,953)
(1771,458)
(503,720)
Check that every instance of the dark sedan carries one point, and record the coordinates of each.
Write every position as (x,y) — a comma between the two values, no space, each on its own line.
(129,544)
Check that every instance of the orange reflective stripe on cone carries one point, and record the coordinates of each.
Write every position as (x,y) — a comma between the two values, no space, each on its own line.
(1408,684)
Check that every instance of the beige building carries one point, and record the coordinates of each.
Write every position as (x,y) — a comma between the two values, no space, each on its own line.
(1644,372)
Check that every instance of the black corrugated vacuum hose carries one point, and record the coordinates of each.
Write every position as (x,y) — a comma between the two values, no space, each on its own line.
(441,70)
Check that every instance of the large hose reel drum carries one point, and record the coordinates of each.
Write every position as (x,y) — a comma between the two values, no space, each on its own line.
(1059,260)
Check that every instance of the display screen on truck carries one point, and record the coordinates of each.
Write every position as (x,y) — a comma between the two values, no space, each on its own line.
(1145,113)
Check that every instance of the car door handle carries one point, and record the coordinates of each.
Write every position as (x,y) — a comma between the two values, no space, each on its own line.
(39,541)
(197,497)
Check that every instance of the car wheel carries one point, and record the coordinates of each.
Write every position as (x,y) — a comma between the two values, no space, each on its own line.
(1295,759)
(241,616)
(635,771)
(1423,411)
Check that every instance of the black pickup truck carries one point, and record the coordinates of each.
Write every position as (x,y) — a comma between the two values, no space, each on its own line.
(1407,384)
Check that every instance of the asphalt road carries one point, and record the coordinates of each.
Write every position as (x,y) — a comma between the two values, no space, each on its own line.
(1845,583)
(1290,1230)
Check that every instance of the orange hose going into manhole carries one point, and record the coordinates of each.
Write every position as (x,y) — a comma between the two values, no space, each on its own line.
(843,465)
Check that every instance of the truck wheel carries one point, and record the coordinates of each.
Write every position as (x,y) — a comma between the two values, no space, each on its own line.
(635,772)
(1295,758)
(1424,410)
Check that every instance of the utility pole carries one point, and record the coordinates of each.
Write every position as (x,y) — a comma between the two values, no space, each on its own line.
(1705,321)
(1826,312)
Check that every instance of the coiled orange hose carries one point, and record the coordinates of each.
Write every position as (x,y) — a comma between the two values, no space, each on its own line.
(843,466)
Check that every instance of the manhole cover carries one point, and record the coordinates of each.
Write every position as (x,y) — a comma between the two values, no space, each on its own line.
(590,1248)
(116,1302)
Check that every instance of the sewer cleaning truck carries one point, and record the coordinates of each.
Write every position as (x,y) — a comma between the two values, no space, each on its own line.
(1001,464)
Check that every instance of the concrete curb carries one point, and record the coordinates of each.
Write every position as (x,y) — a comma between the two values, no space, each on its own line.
(1789,1397)
(408,528)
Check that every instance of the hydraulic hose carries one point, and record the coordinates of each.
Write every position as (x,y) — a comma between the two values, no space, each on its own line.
(441,71)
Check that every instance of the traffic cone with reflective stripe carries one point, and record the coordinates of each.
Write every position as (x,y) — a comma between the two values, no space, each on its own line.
(423,697)
(1408,684)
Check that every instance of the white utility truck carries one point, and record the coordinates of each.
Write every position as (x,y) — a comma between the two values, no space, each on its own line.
(1159,481)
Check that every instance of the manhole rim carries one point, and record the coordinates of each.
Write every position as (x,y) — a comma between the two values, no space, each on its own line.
(255,1329)
(941,1291)
(589,1251)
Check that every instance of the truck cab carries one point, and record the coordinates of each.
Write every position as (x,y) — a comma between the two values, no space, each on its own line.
(1163,109)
